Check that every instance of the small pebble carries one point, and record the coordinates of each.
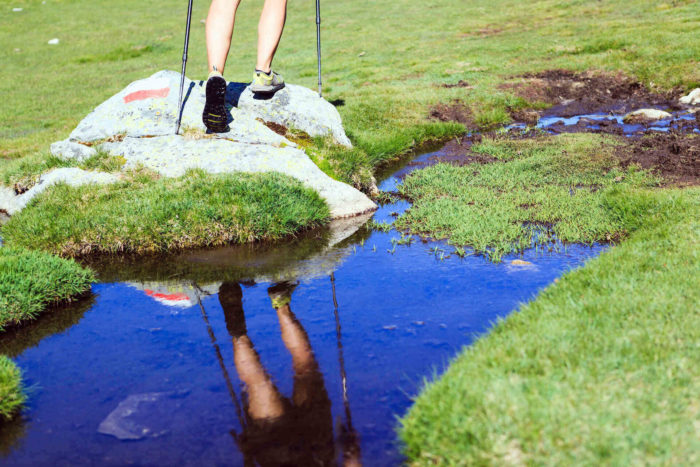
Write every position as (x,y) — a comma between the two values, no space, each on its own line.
(390,327)
(16,9)
(53,41)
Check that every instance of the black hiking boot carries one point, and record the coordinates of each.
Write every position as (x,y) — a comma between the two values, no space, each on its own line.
(215,117)
(231,299)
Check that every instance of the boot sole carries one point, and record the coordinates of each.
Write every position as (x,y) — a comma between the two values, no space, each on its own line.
(215,116)
(266,89)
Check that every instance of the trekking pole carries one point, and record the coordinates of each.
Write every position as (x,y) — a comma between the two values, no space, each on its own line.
(184,65)
(318,42)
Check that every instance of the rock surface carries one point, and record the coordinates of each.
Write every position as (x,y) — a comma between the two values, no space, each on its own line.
(693,98)
(73,176)
(645,115)
(71,150)
(138,123)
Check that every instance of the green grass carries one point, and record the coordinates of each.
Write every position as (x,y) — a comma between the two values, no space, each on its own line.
(145,215)
(11,395)
(600,369)
(563,186)
(30,281)
(385,67)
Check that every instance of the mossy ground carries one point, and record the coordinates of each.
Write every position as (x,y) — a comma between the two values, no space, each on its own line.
(536,190)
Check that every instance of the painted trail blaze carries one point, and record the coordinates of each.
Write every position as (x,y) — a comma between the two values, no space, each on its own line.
(146,94)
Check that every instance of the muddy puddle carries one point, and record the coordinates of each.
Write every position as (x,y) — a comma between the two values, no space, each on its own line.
(299,353)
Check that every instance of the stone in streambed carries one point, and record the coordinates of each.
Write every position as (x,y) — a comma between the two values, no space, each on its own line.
(646,115)
(693,98)
(142,416)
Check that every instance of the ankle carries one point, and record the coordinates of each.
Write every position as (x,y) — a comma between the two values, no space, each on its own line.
(262,70)
(215,72)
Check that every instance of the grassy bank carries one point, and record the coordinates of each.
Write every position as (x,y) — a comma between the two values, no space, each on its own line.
(600,368)
(11,395)
(30,281)
(146,215)
(531,191)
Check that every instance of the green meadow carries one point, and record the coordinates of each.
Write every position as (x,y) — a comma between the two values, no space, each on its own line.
(600,368)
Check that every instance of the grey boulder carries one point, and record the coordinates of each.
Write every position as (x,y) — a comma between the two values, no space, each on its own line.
(138,123)
(173,155)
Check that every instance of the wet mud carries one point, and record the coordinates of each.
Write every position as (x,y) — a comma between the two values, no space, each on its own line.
(594,102)
(673,155)
(572,93)
(455,111)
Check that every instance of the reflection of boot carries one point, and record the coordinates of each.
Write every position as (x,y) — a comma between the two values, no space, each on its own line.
(231,299)
(281,294)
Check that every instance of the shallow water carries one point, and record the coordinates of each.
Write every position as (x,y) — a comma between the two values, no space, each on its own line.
(342,361)
(596,120)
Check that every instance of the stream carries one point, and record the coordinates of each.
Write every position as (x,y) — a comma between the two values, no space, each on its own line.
(182,359)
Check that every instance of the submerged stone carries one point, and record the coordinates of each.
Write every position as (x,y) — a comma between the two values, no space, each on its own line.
(141,416)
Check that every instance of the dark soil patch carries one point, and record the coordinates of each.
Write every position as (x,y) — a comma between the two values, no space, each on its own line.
(276,127)
(483,32)
(20,189)
(456,111)
(573,93)
(459,84)
(674,156)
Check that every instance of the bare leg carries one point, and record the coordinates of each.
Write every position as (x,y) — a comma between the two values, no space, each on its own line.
(306,372)
(263,399)
(219,29)
(270,27)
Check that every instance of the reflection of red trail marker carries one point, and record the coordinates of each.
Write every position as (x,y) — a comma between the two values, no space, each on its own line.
(146,94)
(175,299)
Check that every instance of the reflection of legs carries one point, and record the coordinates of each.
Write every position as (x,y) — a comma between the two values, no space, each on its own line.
(219,30)
(263,399)
(306,371)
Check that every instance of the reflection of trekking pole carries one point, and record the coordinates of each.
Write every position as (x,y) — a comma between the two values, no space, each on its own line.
(351,436)
(318,42)
(184,65)
(219,357)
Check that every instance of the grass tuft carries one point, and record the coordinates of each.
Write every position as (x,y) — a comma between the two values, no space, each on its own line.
(30,281)
(11,395)
(146,215)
